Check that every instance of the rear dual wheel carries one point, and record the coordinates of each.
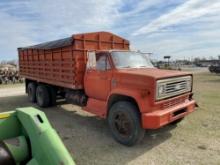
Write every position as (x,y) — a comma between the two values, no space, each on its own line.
(42,96)
(31,90)
(45,96)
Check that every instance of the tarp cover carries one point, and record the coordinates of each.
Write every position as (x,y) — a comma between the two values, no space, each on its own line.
(52,44)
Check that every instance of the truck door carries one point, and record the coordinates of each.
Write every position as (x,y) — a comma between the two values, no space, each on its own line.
(98,76)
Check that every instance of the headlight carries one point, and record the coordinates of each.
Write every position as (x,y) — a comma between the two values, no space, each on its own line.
(189,84)
(161,89)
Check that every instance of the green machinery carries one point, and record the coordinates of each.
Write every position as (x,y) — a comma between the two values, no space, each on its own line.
(27,138)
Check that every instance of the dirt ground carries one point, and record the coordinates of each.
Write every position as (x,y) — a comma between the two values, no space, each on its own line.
(195,141)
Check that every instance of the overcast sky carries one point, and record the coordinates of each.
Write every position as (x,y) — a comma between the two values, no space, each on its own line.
(180,28)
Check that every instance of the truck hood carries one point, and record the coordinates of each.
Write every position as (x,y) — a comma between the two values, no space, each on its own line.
(153,72)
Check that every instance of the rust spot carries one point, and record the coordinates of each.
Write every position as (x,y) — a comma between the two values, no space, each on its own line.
(145,93)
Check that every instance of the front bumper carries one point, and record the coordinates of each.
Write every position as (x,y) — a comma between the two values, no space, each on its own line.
(159,118)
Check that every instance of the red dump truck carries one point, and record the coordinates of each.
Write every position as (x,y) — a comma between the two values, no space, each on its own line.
(99,72)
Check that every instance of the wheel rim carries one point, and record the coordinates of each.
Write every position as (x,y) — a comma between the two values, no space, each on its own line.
(122,124)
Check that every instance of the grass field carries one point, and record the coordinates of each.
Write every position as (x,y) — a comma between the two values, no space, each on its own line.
(195,141)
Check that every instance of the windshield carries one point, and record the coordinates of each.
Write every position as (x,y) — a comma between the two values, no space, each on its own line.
(129,59)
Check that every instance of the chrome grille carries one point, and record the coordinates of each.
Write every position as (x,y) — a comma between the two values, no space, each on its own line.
(173,86)
(177,86)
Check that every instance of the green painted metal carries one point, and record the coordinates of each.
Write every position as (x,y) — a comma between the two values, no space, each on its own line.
(45,144)
(18,148)
(10,123)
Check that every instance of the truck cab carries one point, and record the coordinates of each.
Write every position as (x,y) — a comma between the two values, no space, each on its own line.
(125,87)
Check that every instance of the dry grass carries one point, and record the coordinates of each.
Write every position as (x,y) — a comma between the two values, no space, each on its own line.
(194,141)
(11,85)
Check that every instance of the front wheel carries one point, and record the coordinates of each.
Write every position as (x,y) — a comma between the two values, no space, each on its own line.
(124,123)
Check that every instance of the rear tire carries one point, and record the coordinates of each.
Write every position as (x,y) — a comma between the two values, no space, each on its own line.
(125,124)
(43,96)
(31,90)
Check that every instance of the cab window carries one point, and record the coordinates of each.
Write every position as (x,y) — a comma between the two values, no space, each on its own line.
(102,62)
(97,61)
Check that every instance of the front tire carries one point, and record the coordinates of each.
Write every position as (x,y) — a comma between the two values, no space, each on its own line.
(124,123)
(43,96)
